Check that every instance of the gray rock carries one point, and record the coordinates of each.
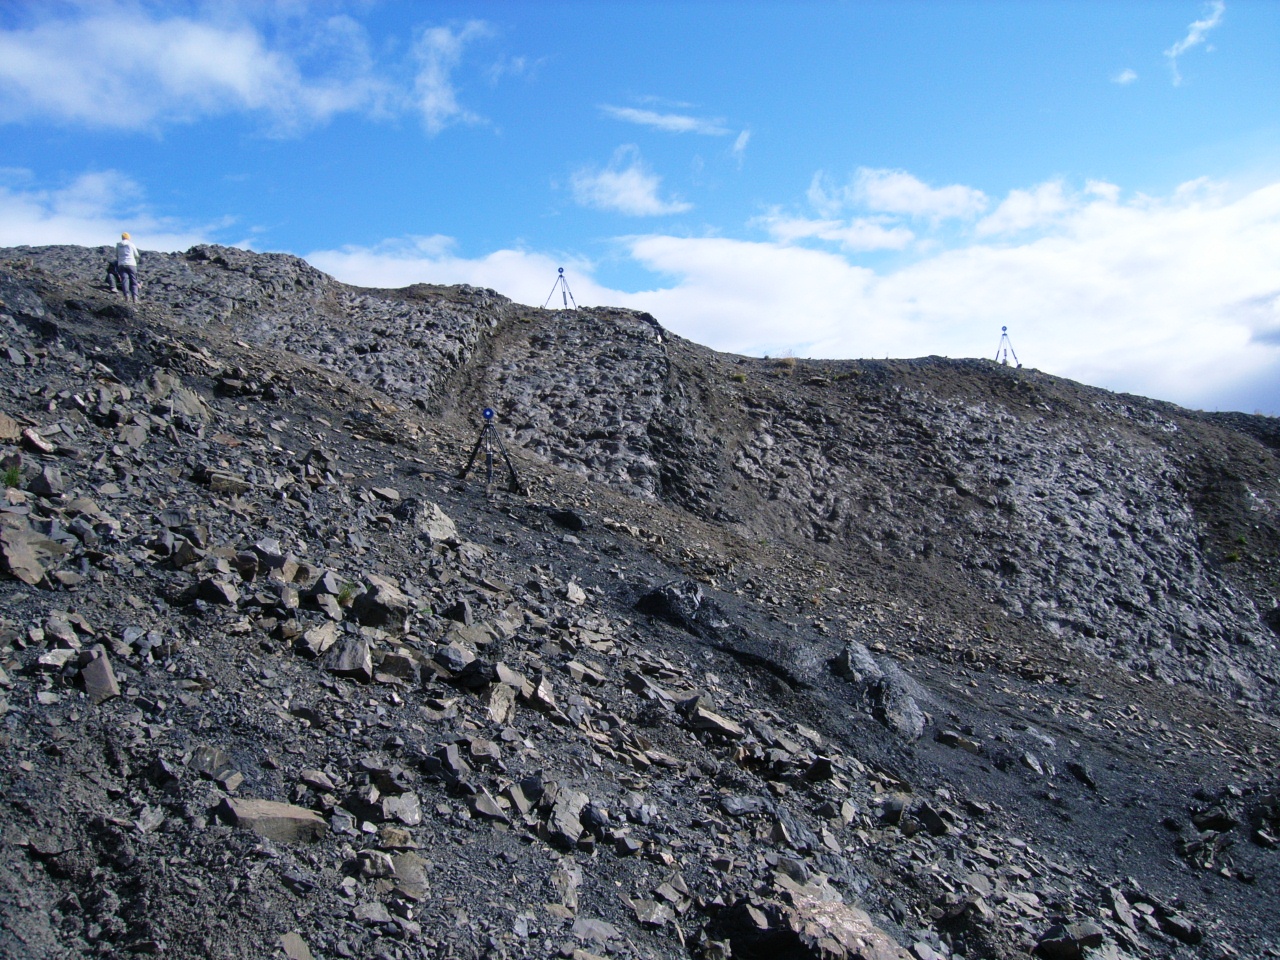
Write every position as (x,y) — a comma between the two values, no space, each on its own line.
(275,821)
(563,823)
(382,604)
(352,658)
(99,679)
(48,483)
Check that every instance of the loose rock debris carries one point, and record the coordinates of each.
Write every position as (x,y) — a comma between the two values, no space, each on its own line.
(273,683)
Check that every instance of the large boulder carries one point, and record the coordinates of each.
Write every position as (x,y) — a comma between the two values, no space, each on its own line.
(883,689)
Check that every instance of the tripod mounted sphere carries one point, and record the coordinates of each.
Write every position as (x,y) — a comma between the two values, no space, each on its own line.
(1006,348)
(490,443)
(566,295)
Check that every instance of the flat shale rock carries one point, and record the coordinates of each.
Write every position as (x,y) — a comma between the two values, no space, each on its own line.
(99,680)
(275,821)
(807,928)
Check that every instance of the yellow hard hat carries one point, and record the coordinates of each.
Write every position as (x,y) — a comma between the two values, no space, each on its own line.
(124,236)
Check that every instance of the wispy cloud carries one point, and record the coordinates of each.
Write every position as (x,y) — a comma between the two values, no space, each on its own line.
(522,67)
(126,70)
(860,234)
(1125,77)
(1026,210)
(1196,34)
(626,185)
(130,67)
(669,122)
(895,191)
(439,51)
(739,148)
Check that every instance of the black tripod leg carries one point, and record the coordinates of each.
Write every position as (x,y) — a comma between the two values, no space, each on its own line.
(475,452)
(513,479)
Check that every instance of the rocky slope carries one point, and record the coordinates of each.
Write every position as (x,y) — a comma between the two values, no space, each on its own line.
(770,659)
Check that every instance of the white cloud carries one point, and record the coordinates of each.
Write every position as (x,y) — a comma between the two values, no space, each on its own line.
(1125,77)
(1196,34)
(1026,209)
(739,148)
(439,52)
(895,191)
(670,122)
(1175,297)
(854,235)
(1103,189)
(625,186)
(121,69)
(523,276)
(91,210)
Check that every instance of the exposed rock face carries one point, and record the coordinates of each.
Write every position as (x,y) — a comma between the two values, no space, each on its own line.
(778,658)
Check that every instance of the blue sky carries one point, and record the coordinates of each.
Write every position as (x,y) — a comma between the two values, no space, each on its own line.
(819,179)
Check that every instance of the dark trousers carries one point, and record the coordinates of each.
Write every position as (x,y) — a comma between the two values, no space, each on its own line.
(128,281)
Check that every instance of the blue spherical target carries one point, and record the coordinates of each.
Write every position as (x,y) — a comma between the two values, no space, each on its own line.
(487,413)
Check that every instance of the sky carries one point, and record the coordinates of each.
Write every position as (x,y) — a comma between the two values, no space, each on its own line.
(813,179)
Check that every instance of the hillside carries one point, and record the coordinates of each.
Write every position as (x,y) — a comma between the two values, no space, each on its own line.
(771,658)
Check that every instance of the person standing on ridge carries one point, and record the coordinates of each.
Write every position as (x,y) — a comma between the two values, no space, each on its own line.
(127,260)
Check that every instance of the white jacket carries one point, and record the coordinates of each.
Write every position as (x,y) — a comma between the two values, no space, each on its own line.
(127,254)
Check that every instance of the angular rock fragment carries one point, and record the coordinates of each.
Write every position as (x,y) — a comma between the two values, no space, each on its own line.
(708,722)
(99,679)
(652,913)
(807,929)
(501,703)
(214,764)
(454,657)
(429,520)
(24,552)
(1069,941)
(228,483)
(48,483)
(318,780)
(740,806)
(220,592)
(483,805)
(373,913)
(599,930)
(564,881)
(352,658)
(294,947)
(585,673)
(9,429)
(382,604)
(32,441)
(564,825)
(405,808)
(275,821)
(318,640)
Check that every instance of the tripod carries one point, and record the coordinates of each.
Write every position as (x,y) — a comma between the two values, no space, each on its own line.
(566,295)
(491,442)
(1007,346)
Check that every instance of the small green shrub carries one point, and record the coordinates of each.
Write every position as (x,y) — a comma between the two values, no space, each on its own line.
(348,593)
(12,477)
(739,378)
